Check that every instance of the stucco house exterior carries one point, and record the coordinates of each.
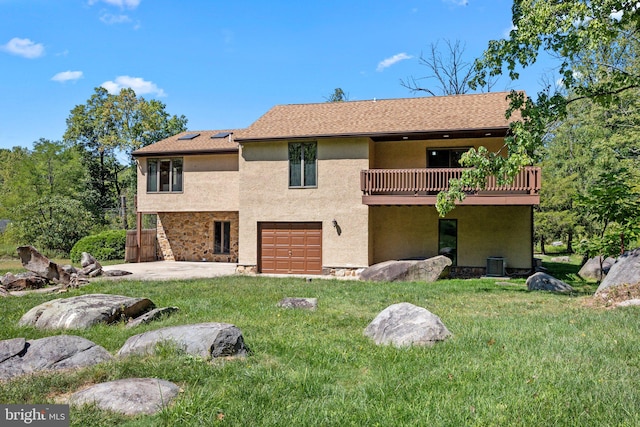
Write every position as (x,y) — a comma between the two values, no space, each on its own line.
(330,188)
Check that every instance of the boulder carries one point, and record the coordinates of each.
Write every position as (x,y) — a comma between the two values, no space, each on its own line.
(304,303)
(132,396)
(86,259)
(405,324)
(428,270)
(20,357)
(150,316)
(592,270)
(115,273)
(84,311)
(626,270)
(22,281)
(544,282)
(34,261)
(207,340)
(561,259)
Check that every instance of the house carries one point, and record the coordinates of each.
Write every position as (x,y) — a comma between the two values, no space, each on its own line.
(330,188)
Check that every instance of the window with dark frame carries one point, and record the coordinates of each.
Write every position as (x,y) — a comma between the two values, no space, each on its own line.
(445,158)
(221,237)
(303,157)
(164,175)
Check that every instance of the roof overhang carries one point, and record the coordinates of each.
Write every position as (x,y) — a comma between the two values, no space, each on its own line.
(184,152)
(496,132)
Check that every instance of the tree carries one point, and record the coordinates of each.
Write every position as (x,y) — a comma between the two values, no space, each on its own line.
(451,73)
(595,44)
(53,223)
(338,95)
(107,125)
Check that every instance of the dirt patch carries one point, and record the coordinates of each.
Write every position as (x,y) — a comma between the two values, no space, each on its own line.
(611,297)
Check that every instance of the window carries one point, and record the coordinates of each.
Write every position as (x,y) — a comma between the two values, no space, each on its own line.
(302,164)
(221,238)
(439,158)
(448,239)
(164,175)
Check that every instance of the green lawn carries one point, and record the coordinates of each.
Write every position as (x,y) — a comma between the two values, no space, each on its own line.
(516,358)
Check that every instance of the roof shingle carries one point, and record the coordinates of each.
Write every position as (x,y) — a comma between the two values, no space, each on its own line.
(388,116)
(203,143)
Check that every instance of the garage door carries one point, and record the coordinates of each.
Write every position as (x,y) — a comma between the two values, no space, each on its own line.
(290,247)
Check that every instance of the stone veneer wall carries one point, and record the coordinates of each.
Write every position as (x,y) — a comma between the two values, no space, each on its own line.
(188,236)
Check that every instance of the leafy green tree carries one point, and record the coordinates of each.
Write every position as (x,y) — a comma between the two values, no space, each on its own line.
(338,95)
(53,223)
(595,44)
(108,125)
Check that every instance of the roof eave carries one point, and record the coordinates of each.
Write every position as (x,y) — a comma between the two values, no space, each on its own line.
(413,134)
(184,152)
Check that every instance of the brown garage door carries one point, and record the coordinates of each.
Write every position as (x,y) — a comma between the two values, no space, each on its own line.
(290,247)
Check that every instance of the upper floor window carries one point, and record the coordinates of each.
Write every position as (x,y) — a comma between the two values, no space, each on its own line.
(445,158)
(164,175)
(303,158)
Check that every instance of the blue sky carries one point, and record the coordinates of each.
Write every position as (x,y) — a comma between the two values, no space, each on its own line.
(223,63)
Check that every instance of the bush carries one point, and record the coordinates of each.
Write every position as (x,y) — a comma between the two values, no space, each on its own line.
(103,246)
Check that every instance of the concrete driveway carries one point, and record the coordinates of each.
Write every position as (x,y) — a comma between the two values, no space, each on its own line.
(172,270)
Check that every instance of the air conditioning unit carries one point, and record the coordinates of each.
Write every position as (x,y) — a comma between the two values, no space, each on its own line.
(496,266)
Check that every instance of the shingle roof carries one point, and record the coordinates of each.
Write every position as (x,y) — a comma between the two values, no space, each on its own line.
(203,143)
(388,116)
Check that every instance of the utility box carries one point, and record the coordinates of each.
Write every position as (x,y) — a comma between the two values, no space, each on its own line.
(496,266)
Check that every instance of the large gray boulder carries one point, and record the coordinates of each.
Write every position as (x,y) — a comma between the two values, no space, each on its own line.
(593,270)
(405,324)
(132,396)
(625,271)
(207,340)
(20,357)
(428,270)
(85,311)
(544,282)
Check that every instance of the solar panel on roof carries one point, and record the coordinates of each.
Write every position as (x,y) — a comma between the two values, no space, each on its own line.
(189,136)
(221,135)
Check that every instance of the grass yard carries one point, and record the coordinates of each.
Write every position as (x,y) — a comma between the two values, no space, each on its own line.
(516,358)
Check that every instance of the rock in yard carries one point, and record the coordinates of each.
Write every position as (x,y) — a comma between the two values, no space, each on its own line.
(405,324)
(150,316)
(592,270)
(22,281)
(19,356)
(544,282)
(305,303)
(34,261)
(201,339)
(84,311)
(86,259)
(625,271)
(132,396)
(428,270)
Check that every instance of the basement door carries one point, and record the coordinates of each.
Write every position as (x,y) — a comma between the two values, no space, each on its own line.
(290,247)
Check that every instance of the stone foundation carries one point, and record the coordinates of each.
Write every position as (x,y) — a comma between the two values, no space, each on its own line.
(476,272)
(188,236)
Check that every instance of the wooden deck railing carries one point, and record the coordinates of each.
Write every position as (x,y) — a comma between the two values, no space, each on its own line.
(429,181)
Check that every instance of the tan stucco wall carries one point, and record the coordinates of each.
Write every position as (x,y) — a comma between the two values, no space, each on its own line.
(413,154)
(189,236)
(210,182)
(265,196)
(483,231)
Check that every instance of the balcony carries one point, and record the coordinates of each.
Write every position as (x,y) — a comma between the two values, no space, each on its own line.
(421,186)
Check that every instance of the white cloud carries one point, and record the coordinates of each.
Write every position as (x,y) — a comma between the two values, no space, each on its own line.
(66,76)
(507,33)
(386,63)
(458,2)
(129,4)
(110,19)
(138,84)
(23,47)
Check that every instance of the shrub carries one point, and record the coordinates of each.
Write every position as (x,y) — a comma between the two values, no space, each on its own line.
(103,246)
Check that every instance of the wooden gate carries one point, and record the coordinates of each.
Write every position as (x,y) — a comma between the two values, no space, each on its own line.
(147,246)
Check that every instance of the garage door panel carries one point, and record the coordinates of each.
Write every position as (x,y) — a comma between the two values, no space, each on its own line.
(291,248)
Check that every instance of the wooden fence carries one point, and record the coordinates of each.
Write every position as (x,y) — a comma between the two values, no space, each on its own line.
(147,246)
